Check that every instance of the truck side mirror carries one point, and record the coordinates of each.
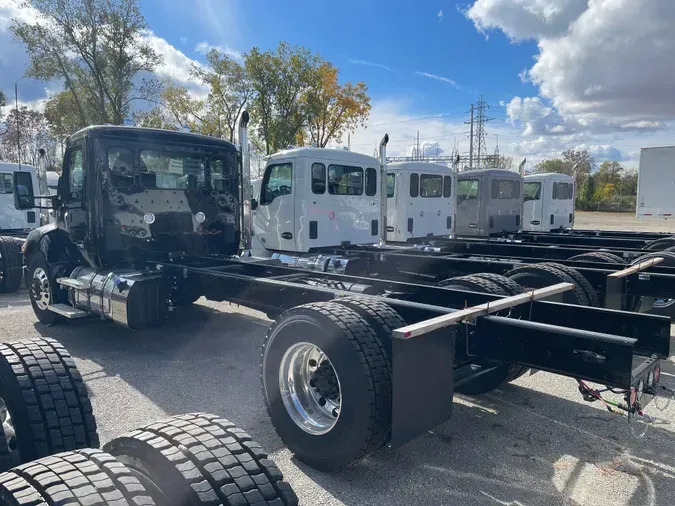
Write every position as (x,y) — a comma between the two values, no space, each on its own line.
(254,204)
(24,196)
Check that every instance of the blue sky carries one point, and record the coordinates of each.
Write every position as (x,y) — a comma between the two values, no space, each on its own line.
(559,74)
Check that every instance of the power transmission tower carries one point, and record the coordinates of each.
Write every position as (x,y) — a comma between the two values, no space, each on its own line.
(480,132)
(470,122)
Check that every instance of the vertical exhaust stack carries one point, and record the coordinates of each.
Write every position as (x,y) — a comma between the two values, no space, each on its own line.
(245,183)
(383,191)
(43,188)
(521,167)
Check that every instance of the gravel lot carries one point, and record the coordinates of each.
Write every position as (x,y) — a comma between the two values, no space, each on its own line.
(534,442)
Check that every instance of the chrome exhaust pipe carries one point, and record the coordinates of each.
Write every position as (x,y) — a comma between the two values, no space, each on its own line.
(245,183)
(383,190)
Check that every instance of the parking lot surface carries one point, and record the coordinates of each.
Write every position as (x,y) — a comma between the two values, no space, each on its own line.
(533,442)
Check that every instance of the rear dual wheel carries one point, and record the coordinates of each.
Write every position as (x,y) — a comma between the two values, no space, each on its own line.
(326,380)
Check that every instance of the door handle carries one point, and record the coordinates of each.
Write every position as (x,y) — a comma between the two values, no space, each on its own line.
(286,235)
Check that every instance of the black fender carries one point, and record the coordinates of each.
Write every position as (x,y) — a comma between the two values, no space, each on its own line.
(55,244)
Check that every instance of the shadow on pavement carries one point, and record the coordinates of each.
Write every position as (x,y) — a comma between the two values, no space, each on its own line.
(515,446)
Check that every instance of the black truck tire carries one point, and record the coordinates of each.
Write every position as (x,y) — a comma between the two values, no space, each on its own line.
(507,284)
(379,315)
(539,275)
(46,402)
(89,477)
(201,459)
(660,244)
(601,257)
(473,284)
(11,265)
(579,280)
(352,364)
(42,289)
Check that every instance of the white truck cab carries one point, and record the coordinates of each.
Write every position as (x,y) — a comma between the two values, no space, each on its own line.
(420,200)
(548,202)
(17,188)
(316,197)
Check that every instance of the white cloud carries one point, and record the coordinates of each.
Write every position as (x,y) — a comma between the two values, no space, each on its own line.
(437,78)
(176,65)
(366,63)
(524,19)
(440,16)
(204,47)
(427,148)
(603,65)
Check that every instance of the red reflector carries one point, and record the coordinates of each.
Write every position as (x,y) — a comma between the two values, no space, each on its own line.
(667,214)
(408,334)
(648,214)
(633,397)
(657,374)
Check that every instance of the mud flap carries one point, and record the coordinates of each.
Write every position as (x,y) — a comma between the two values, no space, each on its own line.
(422,383)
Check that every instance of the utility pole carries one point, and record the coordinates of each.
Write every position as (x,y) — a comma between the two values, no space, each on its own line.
(471,138)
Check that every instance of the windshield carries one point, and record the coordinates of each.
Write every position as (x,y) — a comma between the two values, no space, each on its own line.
(168,167)
(467,189)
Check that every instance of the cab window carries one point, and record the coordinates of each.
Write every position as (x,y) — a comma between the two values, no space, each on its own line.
(6,183)
(532,191)
(345,180)
(505,189)
(447,187)
(318,178)
(467,189)
(431,185)
(278,181)
(391,184)
(75,181)
(414,185)
(371,182)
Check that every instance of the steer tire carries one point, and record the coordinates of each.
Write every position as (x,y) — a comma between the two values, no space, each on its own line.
(358,359)
(601,257)
(579,280)
(11,265)
(660,244)
(507,284)
(84,477)
(540,275)
(48,286)
(201,459)
(379,315)
(46,400)
(473,284)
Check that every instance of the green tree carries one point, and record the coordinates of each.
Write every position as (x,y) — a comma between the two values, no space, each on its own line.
(96,48)
(30,127)
(331,108)
(554,165)
(609,173)
(279,80)
(629,182)
(587,193)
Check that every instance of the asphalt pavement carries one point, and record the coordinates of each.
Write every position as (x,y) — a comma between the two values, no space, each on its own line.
(534,442)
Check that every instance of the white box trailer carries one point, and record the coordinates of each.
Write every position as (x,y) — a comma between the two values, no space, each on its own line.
(656,183)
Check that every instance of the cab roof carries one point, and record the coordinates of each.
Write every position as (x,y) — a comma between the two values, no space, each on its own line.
(157,134)
(488,172)
(14,167)
(548,175)
(419,166)
(326,154)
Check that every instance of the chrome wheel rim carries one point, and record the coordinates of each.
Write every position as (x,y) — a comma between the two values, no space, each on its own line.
(310,388)
(10,434)
(41,291)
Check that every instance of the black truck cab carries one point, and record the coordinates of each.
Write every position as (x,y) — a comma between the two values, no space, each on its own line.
(130,195)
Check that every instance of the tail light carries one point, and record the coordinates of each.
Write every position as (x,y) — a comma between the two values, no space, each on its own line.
(657,374)
(492,222)
(552,219)
(517,220)
(633,396)
(571,217)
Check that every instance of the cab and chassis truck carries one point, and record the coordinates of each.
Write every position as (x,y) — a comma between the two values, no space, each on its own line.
(148,220)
